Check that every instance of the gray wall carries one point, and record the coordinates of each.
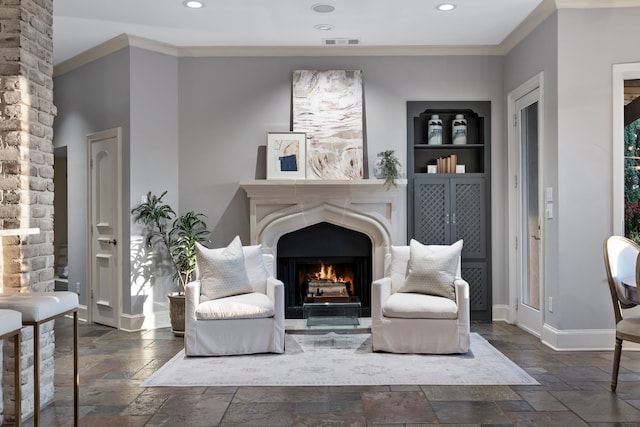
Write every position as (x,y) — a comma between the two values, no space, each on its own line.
(585,58)
(138,90)
(227,106)
(91,98)
(153,167)
(537,53)
(577,63)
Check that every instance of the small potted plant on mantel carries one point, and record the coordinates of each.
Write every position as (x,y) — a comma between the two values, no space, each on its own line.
(387,167)
(178,236)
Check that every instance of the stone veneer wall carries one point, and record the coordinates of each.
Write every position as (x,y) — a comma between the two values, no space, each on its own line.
(26,177)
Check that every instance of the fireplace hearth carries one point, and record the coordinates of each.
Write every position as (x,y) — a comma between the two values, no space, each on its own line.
(319,261)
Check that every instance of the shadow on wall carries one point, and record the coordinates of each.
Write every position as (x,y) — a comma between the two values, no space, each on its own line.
(145,273)
(234,221)
(261,162)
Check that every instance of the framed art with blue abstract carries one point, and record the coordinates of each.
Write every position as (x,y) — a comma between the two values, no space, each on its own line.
(286,157)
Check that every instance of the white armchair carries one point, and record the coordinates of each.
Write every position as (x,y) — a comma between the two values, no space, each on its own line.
(405,321)
(243,322)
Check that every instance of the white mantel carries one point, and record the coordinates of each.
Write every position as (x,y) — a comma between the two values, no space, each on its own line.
(278,207)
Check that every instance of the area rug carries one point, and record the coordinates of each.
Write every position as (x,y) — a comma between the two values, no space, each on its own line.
(341,359)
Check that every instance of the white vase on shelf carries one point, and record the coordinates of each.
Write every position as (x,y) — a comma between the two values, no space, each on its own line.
(459,130)
(434,130)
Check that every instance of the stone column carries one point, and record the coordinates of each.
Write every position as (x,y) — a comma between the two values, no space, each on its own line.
(26,147)
(26,174)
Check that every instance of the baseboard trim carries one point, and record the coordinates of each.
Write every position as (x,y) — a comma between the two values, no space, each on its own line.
(578,339)
(143,322)
(583,339)
(131,322)
(570,339)
(83,313)
(501,313)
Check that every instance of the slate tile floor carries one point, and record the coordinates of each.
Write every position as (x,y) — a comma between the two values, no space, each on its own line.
(574,390)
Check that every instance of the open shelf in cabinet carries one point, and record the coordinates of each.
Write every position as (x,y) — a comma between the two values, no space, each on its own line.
(471,154)
(475,125)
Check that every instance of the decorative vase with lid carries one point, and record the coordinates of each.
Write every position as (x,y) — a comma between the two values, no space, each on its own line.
(459,130)
(434,130)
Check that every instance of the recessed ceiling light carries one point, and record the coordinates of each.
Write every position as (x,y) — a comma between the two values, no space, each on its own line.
(322,8)
(445,7)
(323,27)
(193,4)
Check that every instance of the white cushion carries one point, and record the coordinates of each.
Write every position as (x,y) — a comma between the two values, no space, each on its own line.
(397,267)
(432,270)
(222,271)
(253,305)
(419,306)
(256,270)
(10,322)
(38,306)
(630,325)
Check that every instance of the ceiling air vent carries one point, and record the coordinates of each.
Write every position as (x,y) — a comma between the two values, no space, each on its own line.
(340,42)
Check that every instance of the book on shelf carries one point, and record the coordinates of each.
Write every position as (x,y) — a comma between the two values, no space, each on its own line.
(447,164)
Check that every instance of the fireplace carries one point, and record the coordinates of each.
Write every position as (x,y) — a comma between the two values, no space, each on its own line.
(281,212)
(327,262)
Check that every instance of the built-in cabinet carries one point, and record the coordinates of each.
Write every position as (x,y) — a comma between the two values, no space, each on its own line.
(446,207)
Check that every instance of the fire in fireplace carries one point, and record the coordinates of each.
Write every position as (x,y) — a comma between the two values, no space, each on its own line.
(325,262)
(328,284)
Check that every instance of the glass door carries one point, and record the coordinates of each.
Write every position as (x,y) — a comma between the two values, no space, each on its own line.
(531,218)
(529,315)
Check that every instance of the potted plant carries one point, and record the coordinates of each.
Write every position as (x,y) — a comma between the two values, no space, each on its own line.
(387,167)
(178,236)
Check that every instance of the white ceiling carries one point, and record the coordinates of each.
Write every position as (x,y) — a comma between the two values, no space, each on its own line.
(79,25)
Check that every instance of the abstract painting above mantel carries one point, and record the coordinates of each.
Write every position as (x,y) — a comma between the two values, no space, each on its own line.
(328,107)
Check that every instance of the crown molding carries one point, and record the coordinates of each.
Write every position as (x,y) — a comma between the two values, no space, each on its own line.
(110,46)
(247,51)
(595,4)
(97,52)
(126,40)
(530,23)
(153,45)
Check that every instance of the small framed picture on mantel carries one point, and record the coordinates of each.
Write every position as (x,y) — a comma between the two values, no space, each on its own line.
(286,155)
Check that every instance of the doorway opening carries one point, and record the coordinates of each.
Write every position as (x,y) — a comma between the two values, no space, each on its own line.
(60,230)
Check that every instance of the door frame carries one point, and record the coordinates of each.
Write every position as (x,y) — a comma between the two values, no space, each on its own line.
(90,138)
(620,73)
(514,247)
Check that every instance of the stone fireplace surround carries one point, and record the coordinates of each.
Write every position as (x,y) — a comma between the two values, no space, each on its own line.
(278,207)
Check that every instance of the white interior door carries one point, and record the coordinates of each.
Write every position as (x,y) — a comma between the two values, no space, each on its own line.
(105,235)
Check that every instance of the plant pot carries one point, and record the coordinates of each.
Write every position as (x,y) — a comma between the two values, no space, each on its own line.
(378,169)
(177,313)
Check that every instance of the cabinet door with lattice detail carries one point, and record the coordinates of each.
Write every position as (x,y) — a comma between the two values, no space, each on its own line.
(468,216)
(475,273)
(432,211)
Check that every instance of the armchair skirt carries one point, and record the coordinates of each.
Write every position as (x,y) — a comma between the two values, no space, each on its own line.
(235,335)
(435,333)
